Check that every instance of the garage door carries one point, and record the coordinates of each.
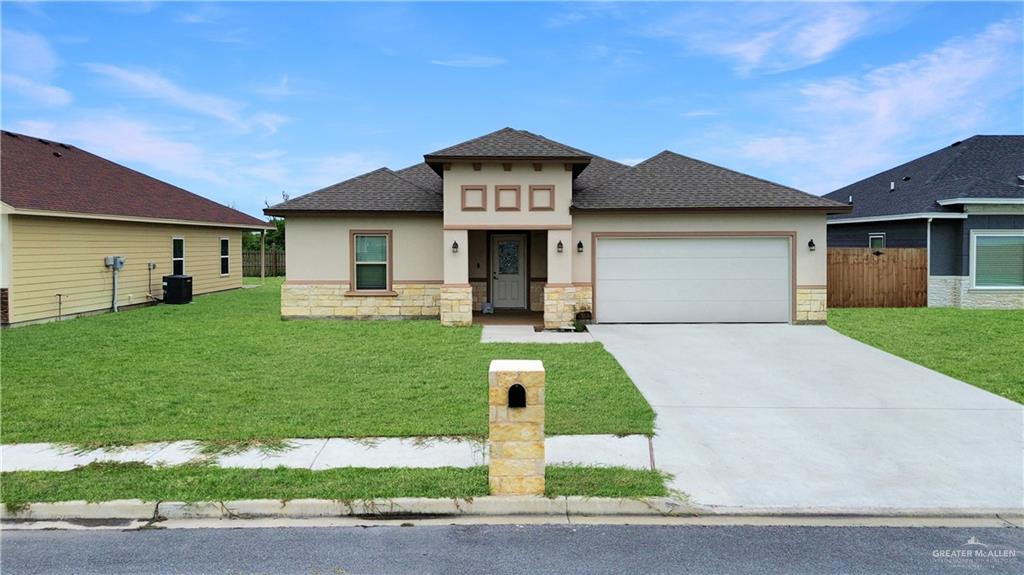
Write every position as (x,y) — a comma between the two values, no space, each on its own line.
(668,280)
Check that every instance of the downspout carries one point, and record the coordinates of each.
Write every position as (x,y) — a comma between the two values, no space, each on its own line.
(928,259)
(113,300)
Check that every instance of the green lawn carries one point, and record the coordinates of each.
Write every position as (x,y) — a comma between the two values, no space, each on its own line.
(109,481)
(226,368)
(982,347)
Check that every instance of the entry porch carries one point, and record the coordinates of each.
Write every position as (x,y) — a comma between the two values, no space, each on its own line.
(523,275)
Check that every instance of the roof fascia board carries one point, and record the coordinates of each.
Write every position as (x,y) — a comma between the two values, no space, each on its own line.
(570,159)
(897,217)
(827,209)
(989,201)
(283,213)
(136,219)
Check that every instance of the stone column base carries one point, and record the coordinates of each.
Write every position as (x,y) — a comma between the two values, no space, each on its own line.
(559,306)
(516,427)
(811,305)
(456,305)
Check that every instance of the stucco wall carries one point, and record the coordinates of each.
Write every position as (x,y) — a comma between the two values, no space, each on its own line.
(492,174)
(64,255)
(811,266)
(318,246)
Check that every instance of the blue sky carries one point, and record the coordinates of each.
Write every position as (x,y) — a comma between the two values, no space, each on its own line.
(241,101)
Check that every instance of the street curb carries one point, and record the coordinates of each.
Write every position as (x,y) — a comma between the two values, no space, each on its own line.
(489,506)
(380,508)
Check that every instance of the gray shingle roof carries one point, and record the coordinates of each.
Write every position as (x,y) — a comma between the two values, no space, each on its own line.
(978,167)
(381,190)
(508,143)
(673,181)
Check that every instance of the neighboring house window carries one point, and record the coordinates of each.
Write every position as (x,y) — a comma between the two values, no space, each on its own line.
(178,256)
(371,261)
(876,241)
(997,258)
(225,257)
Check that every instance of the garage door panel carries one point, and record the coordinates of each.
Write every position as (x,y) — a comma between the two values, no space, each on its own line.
(681,268)
(695,290)
(661,280)
(694,248)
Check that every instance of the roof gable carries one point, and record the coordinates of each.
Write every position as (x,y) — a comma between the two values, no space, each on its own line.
(50,176)
(381,190)
(673,181)
(507,143)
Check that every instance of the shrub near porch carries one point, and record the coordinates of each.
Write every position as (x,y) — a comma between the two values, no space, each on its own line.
(226,368)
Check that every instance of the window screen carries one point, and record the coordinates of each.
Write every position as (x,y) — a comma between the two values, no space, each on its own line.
(999,261)
(371,262)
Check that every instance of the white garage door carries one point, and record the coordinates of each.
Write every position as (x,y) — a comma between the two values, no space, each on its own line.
(667,280)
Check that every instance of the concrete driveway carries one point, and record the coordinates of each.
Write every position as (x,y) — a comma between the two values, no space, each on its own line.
(782,417)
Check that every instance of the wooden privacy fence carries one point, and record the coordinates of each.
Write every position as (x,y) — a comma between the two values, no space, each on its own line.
(274,260)
(862,277)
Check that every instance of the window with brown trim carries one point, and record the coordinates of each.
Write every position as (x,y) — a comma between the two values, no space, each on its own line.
(507,198)
(474,198)
(542,198)
(371,261)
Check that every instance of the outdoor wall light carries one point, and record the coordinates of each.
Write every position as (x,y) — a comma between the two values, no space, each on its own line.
(810,245)
(579,247)
(455,247)
(560,247)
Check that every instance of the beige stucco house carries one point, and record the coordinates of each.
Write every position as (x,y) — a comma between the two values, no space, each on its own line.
(63,211)
(518,222)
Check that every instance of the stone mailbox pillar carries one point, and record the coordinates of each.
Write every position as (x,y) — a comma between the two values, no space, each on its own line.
(516,439)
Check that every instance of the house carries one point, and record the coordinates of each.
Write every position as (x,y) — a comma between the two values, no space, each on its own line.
(521,222)
(64,210)
(963,205)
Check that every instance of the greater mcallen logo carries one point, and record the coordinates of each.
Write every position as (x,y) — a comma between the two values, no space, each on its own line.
(975,550)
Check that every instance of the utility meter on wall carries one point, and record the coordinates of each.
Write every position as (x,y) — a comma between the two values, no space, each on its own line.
(115,262)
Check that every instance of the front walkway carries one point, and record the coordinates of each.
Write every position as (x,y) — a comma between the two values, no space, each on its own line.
(801,417)
(526,334)
(628,451)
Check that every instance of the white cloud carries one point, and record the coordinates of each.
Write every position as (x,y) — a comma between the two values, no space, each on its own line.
(699,114)
(39,93)
(206,13)
(766,38)
(29,64)
(848,127)
(28,54)
(122,139)
(470,62)
(150,84)
(280,89)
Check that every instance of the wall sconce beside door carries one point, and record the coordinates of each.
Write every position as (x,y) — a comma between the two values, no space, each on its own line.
(455,247)
(560,247)
(579,247)
(810,245)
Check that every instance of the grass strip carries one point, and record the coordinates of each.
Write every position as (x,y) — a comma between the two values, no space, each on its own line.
(109,481)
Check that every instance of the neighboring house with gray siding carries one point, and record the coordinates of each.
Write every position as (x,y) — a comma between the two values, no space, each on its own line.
(964,204)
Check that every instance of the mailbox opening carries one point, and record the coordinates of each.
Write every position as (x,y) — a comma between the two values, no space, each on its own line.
(517,396)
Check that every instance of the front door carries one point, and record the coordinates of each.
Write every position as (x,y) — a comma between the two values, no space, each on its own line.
(508,271)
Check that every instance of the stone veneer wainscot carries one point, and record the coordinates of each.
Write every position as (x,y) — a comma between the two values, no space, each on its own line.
(411,301)
(811,304)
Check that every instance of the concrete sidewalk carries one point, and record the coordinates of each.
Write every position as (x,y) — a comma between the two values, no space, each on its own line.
(628,451)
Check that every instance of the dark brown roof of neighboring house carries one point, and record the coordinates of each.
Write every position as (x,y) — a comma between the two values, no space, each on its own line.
(673,181)
(381,190)
(44,175)
(666,181)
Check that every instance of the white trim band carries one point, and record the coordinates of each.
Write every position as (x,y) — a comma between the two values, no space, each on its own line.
(896,217)
(988,201)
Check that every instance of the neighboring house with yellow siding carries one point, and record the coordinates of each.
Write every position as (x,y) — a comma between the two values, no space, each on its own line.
(64,210)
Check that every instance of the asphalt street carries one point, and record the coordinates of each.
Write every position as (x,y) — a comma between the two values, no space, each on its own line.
(531,549)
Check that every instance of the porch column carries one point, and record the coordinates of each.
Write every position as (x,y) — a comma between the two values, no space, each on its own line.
(559,293)
(456,293)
